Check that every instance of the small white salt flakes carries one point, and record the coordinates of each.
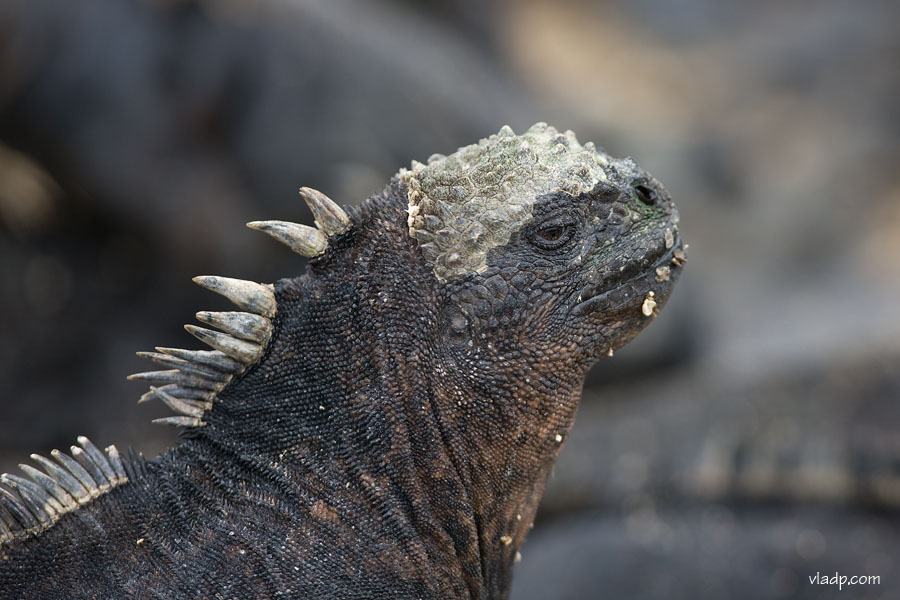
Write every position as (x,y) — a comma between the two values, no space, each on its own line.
(670,239)
(140,541)
(610,353)
(648,305)
(507,540)
(558,438)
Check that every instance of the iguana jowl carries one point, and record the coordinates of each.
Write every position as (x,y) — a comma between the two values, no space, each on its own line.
(383,425)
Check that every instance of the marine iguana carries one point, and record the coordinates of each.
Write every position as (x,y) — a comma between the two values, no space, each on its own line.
(383,425)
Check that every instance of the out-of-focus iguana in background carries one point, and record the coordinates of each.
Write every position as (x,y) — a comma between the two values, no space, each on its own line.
(383,425)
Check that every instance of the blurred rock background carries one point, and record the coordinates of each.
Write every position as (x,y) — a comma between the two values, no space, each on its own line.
(749,439)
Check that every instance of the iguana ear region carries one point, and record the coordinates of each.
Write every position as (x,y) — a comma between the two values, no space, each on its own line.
(193,378)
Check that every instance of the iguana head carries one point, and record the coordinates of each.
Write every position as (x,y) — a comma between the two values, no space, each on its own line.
(543,243)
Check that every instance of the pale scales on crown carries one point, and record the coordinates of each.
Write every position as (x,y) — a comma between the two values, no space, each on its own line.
(464,204)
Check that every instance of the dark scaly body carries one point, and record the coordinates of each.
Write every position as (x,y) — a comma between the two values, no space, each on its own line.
(394,437)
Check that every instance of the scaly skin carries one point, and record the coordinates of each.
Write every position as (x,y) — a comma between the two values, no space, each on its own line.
(394,437)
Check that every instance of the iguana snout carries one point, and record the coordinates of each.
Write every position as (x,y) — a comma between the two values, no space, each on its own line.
(636,250)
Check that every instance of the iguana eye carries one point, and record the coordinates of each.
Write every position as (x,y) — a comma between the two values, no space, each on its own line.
(553,235)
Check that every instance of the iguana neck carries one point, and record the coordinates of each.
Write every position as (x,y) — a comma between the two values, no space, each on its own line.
(357,402)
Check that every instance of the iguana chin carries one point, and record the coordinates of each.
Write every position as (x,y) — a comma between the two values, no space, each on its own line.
(383,425)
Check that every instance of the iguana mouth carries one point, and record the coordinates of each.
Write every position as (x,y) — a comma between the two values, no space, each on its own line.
(637,282)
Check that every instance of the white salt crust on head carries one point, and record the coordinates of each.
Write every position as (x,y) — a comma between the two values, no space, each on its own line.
(463,205)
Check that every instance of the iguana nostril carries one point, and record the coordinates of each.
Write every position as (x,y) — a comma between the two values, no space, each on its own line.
(645,194)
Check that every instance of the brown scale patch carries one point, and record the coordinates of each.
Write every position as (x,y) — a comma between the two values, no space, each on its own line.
(323,511)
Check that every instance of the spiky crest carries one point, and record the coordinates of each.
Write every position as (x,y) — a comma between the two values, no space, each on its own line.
(193,379)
